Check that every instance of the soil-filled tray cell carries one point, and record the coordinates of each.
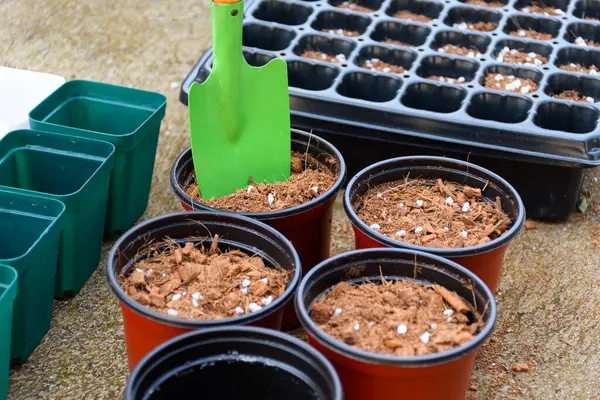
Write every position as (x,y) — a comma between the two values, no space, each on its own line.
(343,24)
(512,79)
(267,38)
(582,34)
(461,44)
(310,76)
(385,59)
(414,10)
(587,9)
(323,48)
(445,69)
(257,59)
(499,107)
(566,117)
(532,27)
(472,19)
(365,86)
(283,12)
(400,34)
(433,97)
(579,60)
(486,3)
(364,6)
(516,52)
(548,8)
(573,88)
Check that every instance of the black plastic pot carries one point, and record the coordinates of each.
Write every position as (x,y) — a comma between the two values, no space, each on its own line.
(307,226)
(366,375)
(234,363)
(144,328)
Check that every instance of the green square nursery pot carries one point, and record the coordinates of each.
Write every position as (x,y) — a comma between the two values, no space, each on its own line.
(485,260)
(30,235)
(145,328)
(129,119)
(307,226)
(8,291)
(368,375)
(75,171)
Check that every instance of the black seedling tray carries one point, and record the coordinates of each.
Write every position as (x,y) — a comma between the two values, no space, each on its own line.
(539,143)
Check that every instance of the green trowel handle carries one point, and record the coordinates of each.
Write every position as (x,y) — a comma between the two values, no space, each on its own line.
(228,59)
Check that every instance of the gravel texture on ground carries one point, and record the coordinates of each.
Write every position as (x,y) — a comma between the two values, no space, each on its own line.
(549,307)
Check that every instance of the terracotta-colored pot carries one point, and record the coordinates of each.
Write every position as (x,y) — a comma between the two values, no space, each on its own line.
(144,328)
(484,260)
(366,375)
(214,364)
(307,226)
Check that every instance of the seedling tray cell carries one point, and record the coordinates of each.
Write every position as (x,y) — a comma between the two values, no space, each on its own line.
(30,229)
(8,291)
(438,102)
(75,171)
(129,119)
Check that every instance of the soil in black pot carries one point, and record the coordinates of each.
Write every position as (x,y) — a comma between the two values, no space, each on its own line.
(541,8)
(515,56)
(343,32)
(319,55)
(376,64)
(482,3)
(460,51)
(349,5)
(194,282)
(531,34)
(573,95)
(397,42)
(432,213)
(309,180)
(476,26)
(411,16)
(510,83)
(592,69)
(403,318)
(446,79)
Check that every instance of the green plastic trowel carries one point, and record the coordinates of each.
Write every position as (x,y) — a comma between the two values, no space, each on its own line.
(240,116)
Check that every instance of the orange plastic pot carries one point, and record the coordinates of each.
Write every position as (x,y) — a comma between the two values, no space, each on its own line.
(307,226)
(366,375)
(484,260)
(144,328)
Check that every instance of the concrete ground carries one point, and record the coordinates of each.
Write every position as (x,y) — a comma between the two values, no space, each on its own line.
(549,296)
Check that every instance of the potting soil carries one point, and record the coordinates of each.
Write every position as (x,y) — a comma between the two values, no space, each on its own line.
(432,213)
(377,64)
(515,56)
(482,3)
(354,7)
(402,318)
(194,282)
(531,34)
(592,69)
(477,26)
(509,83)
(411,16)
(309,180)
(573,95)
(541,8)
(459,50)
(343,32)
(319,55)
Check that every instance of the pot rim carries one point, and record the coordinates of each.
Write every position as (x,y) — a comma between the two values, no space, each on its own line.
(264,216)
(468,167)
(243,331)
(357,354)
(159,317)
